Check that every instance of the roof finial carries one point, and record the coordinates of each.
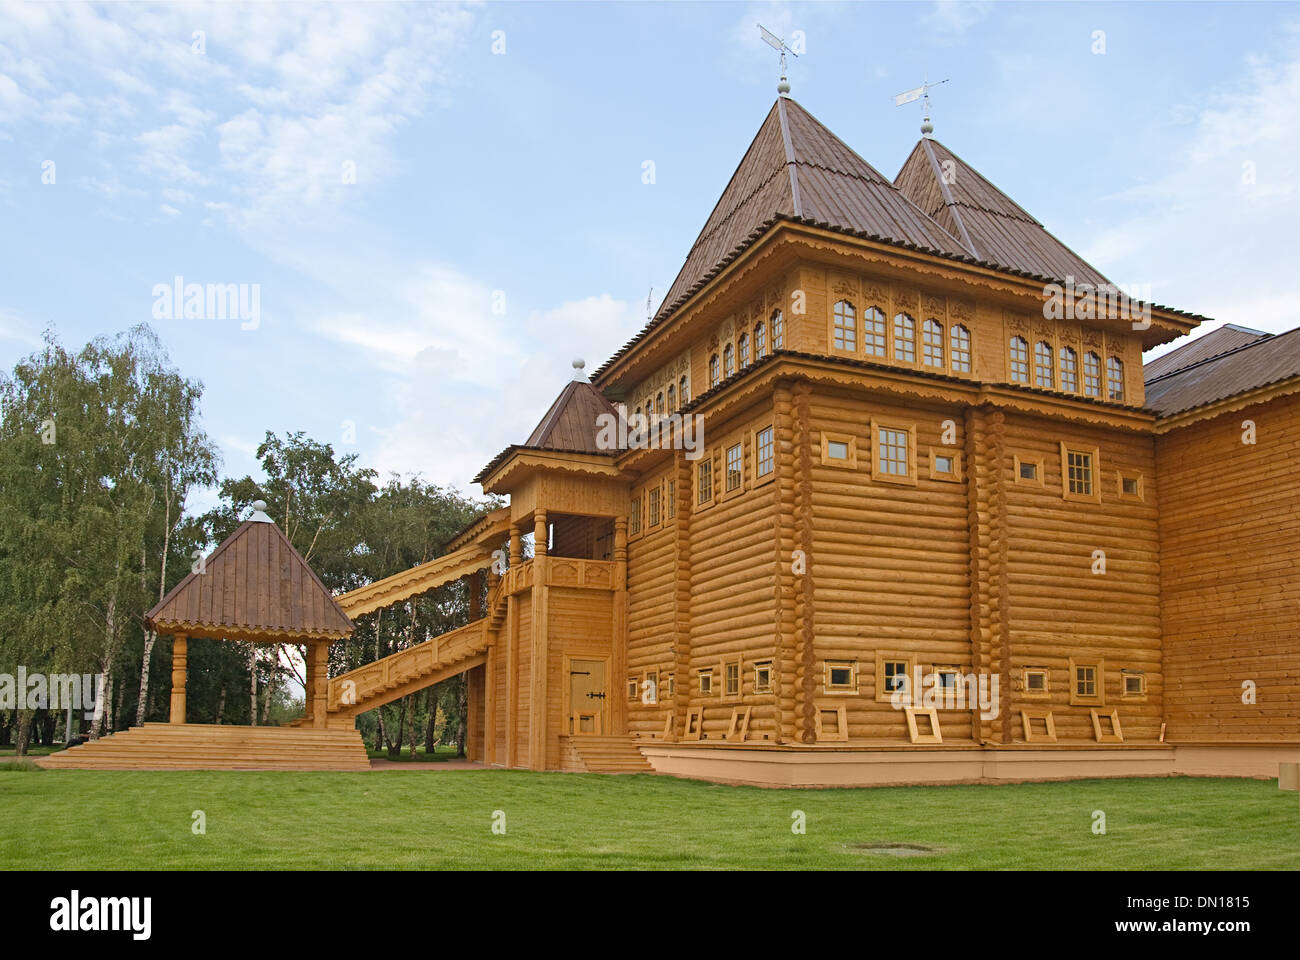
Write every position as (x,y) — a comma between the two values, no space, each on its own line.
(578,365)
(921,93)
(776,43)
(259,513)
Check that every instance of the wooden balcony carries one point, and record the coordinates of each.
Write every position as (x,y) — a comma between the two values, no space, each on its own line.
(560,572)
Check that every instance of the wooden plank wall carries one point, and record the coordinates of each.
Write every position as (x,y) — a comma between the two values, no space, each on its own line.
(1230,548)
(652,612)
(582,624)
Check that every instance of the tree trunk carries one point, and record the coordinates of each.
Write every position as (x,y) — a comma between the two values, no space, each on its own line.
(142,707)
(410,720)
(270,686)
(430,745)
(221,702)
(462,708)
(24,734)
(102,715)
(149,635)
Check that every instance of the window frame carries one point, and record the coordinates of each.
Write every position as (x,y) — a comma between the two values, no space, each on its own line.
(1035,481)
(715,370)
(1101,375)
(1140,676)
(742,350)
(1111,395)
(954,476)
(646,676)
(1081,700)
(1095,478)
(899,426)
(895,354)
(762,478)
(1072,369)
(1139,496)
(1012,362)
(724,667)
(1044,371)
(702,674)
(1026,693)
(841,733)
(927,325)
(759,686)
(849,689)
(849,463)
(777,322)
(700,465)
(727,492)
(844,327)
(760,341)
(883,657)
(967,365)
(872,314)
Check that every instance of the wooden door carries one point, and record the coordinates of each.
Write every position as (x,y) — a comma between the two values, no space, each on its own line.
(588,698)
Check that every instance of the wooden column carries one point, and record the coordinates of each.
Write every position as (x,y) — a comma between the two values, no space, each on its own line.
(512,655)
(787,585)
(618,661)
(309,702)
(475,585)
(491,722)
(180,669)
(540,661)
(805,617)
(320,682)
(681,652)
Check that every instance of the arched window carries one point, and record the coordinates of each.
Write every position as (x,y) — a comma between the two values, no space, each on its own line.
(1019,360)
(728,360)
(960,337)
(659,404)
(1069,370)
(1114,378)
(1043,367)
(904,338)
(778,330)
(874,332)
(760,340)
(845,331)
(713,370)
(932,343)
(684,389)
(742,348)
(672,399)
(1091,374)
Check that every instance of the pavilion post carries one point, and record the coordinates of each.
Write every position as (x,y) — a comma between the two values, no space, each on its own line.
(180,669)
(309,701)
(320,681)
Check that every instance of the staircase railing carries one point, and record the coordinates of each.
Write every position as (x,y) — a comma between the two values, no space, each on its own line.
(352,689)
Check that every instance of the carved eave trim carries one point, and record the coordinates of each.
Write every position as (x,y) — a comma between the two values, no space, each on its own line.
(215,631)
(490,526)
(1239,401)
(524,463)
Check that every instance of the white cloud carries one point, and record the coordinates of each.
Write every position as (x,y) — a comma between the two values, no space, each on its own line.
(1229,198)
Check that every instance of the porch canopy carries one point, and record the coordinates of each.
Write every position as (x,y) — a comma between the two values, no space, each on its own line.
(254,587)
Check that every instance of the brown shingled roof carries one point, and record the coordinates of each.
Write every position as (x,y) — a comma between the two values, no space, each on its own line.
(568,427)
(255,586)
(1258,363)
(1213,344)
(992,227)
(796,167)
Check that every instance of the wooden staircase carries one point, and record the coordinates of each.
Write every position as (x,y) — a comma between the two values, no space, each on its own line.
(602,755)
(200,746)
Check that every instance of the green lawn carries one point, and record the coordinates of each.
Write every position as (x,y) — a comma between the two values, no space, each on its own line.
(134,820)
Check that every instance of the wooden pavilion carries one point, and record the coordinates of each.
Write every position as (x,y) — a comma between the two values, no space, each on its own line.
(256,588)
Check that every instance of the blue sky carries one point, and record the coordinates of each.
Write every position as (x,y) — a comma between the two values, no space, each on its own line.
(514,180)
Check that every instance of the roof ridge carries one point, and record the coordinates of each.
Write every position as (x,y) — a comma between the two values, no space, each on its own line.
(1269,338)
(791,164)
(947,196)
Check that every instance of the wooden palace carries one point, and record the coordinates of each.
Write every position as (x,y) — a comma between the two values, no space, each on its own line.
(883,494)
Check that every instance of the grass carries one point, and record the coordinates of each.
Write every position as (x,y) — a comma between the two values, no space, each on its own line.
(135,820)
(440,754)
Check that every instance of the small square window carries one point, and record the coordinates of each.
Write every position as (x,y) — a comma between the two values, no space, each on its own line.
(706,683)
(1135,685)
(894,674)
(633,689)
(1035,684)
(1029,471)
(1130,486)
(839,450)
(763,677)
(841,675)
(945,465)
(650,687)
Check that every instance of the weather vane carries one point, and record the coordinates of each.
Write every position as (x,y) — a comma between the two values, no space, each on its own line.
(920,93)
(776,43)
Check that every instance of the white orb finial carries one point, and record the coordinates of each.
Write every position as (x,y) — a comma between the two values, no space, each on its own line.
(927,127)
(579,363)
(783,87)
(259,506)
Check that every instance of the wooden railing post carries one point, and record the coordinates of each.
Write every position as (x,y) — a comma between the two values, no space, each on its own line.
(539,661)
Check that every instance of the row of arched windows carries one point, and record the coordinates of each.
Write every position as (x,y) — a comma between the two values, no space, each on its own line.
(1062,372)
(738,352)
(667,401)
(951,352)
